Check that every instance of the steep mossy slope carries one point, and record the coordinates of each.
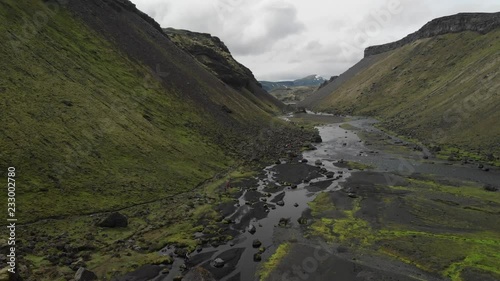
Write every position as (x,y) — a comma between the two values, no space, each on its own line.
(97,118)
(101,112)
(442,90)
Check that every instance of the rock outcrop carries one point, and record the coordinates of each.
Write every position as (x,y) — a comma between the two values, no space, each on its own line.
(214,55)
(114,220)
(477,22)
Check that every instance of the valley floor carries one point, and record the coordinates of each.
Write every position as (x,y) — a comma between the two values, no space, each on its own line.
(362,205)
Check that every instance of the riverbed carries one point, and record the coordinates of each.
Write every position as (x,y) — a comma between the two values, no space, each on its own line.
(276,210)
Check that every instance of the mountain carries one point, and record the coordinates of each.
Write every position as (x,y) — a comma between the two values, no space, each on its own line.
(311,80)
(439,85)
(213,54)
(103,112)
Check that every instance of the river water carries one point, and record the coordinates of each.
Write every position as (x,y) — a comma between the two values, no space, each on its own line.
(338,145)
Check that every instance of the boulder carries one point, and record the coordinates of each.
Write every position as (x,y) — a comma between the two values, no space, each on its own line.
(114,220)
(256,243)
(257,257)
(490,187)
(317,139)
(218,262)
(252,229)
(85,275)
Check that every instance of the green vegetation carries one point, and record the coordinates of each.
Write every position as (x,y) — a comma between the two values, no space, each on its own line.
(451,227)
(91,129)
(274,261)
(426,91)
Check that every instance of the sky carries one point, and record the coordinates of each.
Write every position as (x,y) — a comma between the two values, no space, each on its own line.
(290,39)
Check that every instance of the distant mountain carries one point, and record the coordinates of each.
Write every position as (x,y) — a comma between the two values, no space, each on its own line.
(311,80)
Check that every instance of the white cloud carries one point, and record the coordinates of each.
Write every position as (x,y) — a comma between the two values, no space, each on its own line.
(288,39)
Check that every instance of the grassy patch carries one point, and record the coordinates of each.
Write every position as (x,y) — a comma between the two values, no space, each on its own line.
(274,261)
(454,228)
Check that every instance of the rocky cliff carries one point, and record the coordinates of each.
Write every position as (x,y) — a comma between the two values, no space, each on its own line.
(477,22)
(214,55)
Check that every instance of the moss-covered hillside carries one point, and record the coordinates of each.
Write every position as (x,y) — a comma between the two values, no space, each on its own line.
(101,112)
(442,90)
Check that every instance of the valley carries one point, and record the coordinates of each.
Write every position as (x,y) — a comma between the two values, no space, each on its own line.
(145,152)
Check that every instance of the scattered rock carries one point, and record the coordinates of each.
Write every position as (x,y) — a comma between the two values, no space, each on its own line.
(302,220)
(114,220)
(491,188)
(317,139)
(252,229)
(257,257)
(280,203)
(296,204)
(226,109)
(318,162)
(85,275)
(352,195)
(180,252)
(284,222)
(67,102)
(256,243)
(218,262)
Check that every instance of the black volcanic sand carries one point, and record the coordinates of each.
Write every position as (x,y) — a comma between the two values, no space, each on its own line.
(295,173)
(327,263)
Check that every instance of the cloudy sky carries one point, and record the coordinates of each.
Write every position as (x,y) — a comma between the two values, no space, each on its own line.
(289,39)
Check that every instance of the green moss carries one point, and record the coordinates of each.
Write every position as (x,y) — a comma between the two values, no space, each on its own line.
(425,91)
(274,261)
(454,227)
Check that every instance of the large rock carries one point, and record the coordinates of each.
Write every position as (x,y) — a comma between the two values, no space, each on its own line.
(114,220)
(252,229)
(218,262)
(85,275)
(256,243)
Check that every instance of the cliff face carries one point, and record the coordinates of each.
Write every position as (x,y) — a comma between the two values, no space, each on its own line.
(214,55)
(477,22)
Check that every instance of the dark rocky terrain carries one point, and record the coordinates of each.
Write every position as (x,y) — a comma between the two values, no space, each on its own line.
(145,153)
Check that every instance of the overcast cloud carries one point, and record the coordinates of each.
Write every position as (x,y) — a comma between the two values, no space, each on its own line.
(289,39)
